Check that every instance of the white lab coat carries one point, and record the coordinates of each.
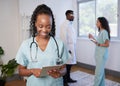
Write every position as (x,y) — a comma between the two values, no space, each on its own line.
(68,35)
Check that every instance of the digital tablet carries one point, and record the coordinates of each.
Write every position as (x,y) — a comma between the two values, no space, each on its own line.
(93,40)
(44,71)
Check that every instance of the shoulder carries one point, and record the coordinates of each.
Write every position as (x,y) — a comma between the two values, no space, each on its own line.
(59,41)
(104,32)
(65,23)
(26,42)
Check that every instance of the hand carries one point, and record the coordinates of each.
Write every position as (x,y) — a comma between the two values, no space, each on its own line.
(55,73)
(98,44)
(90,36)
(36,72)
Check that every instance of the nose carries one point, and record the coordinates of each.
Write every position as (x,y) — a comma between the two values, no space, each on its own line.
(44,29)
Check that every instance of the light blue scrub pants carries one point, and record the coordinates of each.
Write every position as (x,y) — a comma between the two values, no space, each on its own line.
(99,71)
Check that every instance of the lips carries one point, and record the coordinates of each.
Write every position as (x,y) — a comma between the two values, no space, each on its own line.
(42,33)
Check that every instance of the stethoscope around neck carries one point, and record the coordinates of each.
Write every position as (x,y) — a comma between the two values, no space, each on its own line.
(59,60)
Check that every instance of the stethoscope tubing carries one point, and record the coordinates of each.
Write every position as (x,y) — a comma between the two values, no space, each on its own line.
(59,60)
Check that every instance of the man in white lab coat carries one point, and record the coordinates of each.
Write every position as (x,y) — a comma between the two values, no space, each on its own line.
(68,35)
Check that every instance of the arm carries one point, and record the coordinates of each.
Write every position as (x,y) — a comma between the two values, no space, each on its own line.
(90,36)
(23,71)
(105,38)
(69,39)
(106,44)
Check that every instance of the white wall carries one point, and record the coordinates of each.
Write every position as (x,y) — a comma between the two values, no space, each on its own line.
(58,7)
(85,49)
(85,52)
(9,28)
(11,12)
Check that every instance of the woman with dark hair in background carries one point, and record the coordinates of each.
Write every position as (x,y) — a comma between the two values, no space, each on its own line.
(101,51)
(41,50)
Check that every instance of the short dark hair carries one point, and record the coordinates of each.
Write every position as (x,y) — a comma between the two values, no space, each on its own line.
(68,12)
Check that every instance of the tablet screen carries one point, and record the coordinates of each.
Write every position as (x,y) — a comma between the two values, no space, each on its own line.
(44,71)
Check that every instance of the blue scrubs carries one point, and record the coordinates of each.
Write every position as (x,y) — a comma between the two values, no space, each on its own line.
(101,55)
(44,58)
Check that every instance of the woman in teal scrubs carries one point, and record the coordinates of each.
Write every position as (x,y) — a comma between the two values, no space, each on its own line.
(101,51)
(31,63)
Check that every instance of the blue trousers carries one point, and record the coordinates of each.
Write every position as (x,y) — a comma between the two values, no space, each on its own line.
(99,71)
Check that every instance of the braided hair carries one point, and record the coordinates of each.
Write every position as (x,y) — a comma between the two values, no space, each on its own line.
(41,9)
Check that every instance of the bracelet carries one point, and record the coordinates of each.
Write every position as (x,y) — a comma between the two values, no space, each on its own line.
(98,44)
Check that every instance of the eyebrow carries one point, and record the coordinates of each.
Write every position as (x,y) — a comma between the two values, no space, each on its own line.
(45,25)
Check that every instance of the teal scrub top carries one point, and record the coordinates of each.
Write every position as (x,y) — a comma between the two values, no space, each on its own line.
(44,58)
(101,52)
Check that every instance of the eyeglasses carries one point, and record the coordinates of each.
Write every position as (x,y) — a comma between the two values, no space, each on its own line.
(71,14)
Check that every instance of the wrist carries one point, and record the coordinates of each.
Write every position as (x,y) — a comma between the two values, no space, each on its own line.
(98,44)
(61,73)
(31,71)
